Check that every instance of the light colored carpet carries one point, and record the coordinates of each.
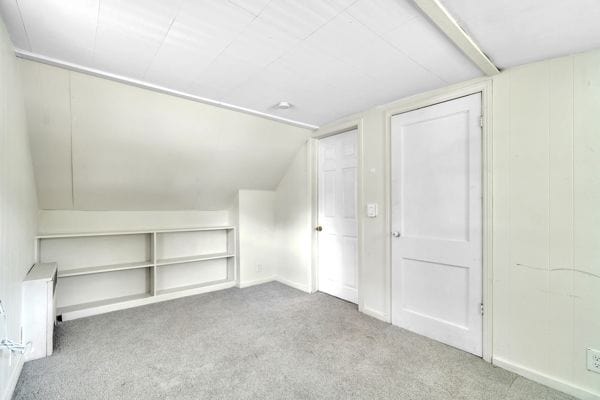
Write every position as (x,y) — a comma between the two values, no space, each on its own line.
(263,342)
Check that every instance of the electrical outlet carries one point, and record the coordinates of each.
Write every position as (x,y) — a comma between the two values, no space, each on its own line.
(593,360)
(258,267)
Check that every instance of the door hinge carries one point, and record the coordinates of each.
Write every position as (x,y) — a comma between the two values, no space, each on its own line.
(481,308)
(481,121)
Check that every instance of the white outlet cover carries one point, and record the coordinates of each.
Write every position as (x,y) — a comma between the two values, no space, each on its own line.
(593,360)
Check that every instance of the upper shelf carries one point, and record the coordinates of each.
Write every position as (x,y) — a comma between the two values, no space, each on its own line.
(117,233)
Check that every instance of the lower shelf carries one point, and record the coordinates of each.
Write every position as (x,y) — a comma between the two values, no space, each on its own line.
(100,303)
(190,287)
(120,303)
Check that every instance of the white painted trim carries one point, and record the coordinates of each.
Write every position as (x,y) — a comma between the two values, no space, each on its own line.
(483,86)
(547,380)
(27,55)
(375,314)
(13,379)
(314,188)
(255,282)
(447,24)
(300,286)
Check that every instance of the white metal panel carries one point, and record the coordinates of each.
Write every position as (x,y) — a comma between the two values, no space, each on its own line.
(130,33)
(437,222)
(518,32)
(62,29)
(11,14)
(426,45)
(383,16)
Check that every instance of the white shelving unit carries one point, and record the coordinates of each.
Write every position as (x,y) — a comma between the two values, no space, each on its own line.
(108,271)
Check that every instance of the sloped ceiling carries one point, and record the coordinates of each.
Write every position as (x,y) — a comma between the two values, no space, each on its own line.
(103,145)
(515,32)
(329,58)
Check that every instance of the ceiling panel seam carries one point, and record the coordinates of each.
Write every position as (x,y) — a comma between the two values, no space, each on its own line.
(96,31)
(324,24)
(162,42)
(239,33)
(23,24)
(400,50)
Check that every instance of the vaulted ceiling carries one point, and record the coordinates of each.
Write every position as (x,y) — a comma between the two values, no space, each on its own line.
(329,58)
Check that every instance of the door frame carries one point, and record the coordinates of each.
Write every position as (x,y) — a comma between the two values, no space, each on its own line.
(314,189)
(417,102)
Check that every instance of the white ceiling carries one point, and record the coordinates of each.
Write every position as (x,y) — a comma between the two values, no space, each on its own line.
(515,32)
(329,58)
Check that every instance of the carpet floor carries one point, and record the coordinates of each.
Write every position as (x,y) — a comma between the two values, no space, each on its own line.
(264,342)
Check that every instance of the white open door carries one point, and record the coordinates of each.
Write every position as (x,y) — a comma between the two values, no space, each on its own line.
(437,222)
(337,193)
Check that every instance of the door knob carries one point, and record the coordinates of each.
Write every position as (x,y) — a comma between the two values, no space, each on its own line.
(319,228)
(396,234)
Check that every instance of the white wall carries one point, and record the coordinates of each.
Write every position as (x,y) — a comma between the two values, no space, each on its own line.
(103,145)
(256,230)
(18,202)
(293,223)
(62,221)
(547,218)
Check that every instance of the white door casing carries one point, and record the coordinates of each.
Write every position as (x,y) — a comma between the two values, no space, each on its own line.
(337,215)
(436,195)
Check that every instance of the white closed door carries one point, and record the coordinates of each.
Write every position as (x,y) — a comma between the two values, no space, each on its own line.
(338,267)
(437,222)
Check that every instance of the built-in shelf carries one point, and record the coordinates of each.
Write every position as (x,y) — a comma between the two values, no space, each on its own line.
(189,259)
(103,268)
(161,248)
(118,233)
(100,303)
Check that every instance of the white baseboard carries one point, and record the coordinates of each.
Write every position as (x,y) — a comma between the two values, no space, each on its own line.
(295,285)
(375,314)
(245,284)
(547,380)
(13,379)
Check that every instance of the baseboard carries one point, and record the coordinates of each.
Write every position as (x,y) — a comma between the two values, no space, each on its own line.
(375,314)
(295,285)
(547,380)
(14,378)
(245,284)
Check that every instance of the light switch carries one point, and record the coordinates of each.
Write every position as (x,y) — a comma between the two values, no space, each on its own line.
(372,210)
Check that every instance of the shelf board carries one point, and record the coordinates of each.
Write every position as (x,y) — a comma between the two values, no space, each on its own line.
(191,287)
(118,233)
(100,303)
(188,259)
(103,268)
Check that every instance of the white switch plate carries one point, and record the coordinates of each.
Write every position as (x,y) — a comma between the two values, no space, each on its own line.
(593,360)
(372,210)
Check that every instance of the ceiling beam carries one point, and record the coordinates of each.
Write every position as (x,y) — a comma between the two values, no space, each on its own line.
(442,18)
(27,55)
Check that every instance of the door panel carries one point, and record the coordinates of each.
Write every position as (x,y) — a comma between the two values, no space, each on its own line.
(436,214)
(337,175)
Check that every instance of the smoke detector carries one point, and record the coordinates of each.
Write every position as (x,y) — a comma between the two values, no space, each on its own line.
(283,105)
